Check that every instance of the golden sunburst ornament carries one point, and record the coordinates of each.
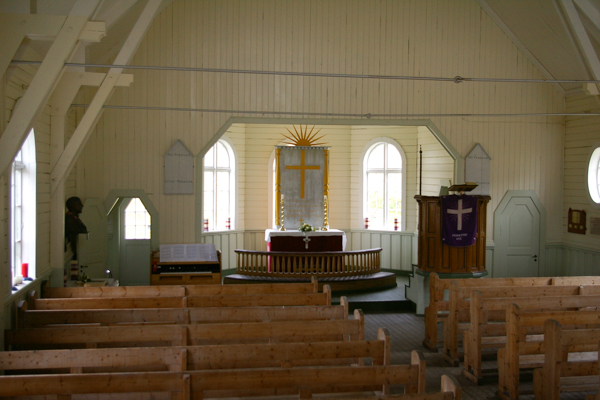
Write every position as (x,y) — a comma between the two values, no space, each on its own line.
(304,137)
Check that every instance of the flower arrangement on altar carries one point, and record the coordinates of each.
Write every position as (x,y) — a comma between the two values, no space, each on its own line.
(306,228)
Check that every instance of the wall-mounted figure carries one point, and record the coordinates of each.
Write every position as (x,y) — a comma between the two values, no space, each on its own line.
(73,225)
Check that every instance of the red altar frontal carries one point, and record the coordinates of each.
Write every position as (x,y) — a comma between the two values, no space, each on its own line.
(296,241)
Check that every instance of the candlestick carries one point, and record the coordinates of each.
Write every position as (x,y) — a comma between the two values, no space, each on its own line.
(282,213)
(325,214)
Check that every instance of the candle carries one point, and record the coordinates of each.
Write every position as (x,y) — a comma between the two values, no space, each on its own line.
(24,268)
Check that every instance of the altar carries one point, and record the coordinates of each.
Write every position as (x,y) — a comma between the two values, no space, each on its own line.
(301,198)
(297,241)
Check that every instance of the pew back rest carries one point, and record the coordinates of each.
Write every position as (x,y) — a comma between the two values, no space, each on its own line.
(286,299)
(181,335)
(40,318)
(178,290)
(187,358)
(222,383)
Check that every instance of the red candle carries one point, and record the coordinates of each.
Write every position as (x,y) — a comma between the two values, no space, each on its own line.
(24,268)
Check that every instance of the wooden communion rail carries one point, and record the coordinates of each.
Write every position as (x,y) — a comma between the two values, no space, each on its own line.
(320,264)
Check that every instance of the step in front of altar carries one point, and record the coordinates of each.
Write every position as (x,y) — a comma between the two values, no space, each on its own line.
(375,281)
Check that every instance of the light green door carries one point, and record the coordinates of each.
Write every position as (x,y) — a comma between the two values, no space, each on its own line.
(518,223)
(135,243)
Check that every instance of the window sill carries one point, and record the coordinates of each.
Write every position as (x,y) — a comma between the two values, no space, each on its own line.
(19,288)
(24,287)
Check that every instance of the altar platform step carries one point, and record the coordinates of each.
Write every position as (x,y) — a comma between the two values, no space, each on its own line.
(379,292)
(391,300)
(376,281)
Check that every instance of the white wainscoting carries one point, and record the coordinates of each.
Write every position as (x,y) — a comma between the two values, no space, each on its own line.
(400,251)
(579,261)
(399,248)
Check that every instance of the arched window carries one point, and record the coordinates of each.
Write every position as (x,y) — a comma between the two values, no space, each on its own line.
(23,208)
(383,184)
(219,187)
(593,176)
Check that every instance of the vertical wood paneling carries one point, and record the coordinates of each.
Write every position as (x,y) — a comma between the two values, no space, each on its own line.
(581,134)
(13,89)
(361,37)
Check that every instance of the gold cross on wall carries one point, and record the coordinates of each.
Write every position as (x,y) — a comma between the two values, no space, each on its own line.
(302,169)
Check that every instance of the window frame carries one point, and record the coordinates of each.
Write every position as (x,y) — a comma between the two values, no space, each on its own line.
(592,175)
(233,184)
(368,148)
(25,249)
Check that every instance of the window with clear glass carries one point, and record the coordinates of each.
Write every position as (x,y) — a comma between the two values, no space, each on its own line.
(594,175)
(23,208)
(219,187)
(383,185)
(137,221)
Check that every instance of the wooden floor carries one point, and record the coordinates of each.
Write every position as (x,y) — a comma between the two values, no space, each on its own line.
(408,330)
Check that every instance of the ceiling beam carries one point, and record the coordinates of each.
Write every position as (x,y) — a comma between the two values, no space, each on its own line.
(41,85)
(584,43)
(92,115)
(508,32)
(590,11)
(16,27)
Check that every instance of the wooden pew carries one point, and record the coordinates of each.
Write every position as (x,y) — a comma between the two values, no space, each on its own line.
(303,382)
(437,311)
(183,335)
(40,318)
(519,353)
(186,358)
(564,370)
(178,290)
(233,300)
(189,358)
(482,334)
(459,312)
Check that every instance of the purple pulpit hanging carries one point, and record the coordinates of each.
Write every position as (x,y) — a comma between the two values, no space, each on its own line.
(459,220)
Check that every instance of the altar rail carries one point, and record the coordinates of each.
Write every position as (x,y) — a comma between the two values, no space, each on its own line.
(321,264)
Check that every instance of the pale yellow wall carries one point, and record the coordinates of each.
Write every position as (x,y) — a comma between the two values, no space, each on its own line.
(424,38)
(347,145)
(581,135)
(437,163)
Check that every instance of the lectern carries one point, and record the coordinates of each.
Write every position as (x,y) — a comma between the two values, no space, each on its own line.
(434,255)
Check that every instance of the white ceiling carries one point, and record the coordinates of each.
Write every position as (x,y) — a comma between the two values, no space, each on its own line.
(552,39)
(561,37)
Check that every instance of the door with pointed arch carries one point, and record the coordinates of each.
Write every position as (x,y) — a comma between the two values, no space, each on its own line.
(519,234)
(135,226)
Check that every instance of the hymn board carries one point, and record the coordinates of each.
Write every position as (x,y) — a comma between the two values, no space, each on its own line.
(301,182)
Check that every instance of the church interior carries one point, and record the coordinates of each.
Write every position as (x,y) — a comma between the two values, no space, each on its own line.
(340,147)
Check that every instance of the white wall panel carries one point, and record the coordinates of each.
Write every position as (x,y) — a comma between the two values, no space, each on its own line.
(424,38)
(14,89)
(580,136)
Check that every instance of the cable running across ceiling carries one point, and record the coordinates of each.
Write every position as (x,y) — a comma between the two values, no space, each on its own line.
(321,114)
(456,79)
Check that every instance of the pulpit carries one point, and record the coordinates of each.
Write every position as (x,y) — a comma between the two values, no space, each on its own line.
(434,255)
